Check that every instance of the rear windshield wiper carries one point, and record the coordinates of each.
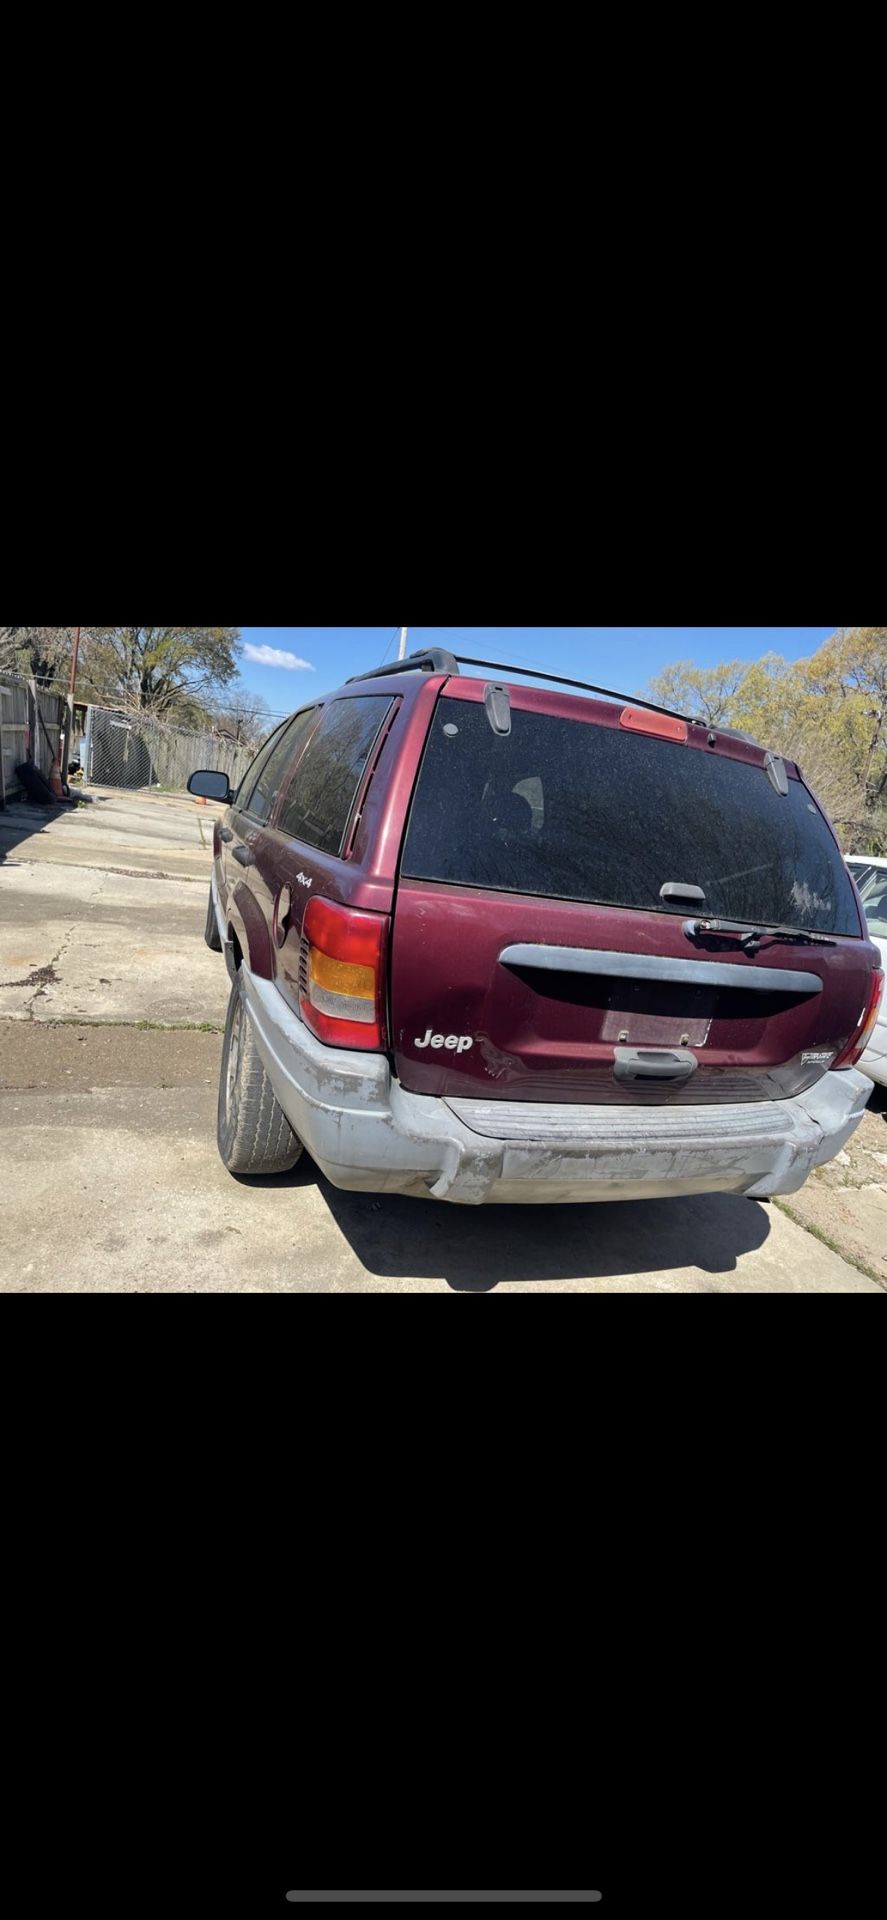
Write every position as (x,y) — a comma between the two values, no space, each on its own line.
(749,938)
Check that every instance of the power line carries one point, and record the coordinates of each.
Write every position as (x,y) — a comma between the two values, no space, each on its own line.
(389,646)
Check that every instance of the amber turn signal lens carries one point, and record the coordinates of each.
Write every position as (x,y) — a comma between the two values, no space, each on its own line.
(341,976)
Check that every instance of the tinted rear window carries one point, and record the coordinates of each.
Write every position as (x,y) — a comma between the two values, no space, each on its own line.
(584,812)
(318,805)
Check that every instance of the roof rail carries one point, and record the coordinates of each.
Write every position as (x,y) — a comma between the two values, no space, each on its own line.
(438,660)
(431,660)
(536,673)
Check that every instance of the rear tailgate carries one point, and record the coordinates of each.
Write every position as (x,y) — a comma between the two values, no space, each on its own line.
(533,956)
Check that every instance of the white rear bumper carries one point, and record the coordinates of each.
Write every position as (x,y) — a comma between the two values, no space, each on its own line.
(367,1133)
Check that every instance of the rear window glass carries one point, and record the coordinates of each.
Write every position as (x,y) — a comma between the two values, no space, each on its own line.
(262,790)
(584,812)
(318,805)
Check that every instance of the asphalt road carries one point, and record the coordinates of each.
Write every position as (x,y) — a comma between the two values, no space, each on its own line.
(107,1120)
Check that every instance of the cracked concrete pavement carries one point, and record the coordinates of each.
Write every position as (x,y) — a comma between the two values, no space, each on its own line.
(107,1122)
(846,1200)
(79,943)
(88,931)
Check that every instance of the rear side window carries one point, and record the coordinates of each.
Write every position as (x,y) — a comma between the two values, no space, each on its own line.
(576,811)
(318,805)
(266,784)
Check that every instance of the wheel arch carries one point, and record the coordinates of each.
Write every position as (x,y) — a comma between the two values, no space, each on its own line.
(248,936)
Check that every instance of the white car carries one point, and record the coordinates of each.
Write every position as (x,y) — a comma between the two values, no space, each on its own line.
(863,865)
(873,894)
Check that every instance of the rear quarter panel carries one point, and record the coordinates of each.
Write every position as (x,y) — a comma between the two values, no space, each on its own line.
(366,877)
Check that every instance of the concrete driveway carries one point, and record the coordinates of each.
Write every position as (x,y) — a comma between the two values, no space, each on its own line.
(111,1010)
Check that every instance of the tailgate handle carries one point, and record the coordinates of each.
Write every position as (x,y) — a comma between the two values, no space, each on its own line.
(673,1064)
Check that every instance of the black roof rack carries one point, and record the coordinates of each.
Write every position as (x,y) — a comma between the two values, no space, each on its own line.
(536,673)
(438,660)
(431,660)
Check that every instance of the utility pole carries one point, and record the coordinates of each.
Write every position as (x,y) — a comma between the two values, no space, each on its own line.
(74,662)
(69,718)
(402,652)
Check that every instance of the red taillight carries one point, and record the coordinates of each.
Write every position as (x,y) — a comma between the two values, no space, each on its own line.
(861,1034)
(343,975)
(660,724)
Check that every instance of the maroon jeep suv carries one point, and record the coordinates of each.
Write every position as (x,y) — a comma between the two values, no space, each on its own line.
(489,942)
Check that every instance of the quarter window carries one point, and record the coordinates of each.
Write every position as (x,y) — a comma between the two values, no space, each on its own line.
(318,806)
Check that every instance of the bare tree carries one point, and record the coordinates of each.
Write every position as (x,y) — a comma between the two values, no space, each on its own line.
(166,671)
(44,652)
(241,714)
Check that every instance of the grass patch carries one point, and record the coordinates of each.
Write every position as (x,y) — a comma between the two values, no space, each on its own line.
(140,1026)
(852,1259)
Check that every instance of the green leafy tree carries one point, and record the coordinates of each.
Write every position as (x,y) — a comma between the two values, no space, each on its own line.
(856,660)
(802,710)
(703,693)
(828,713)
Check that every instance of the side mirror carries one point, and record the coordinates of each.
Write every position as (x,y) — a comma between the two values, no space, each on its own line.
(210,786)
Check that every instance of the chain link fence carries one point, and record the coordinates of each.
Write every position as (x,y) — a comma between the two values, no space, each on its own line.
(118,749)
(123,750)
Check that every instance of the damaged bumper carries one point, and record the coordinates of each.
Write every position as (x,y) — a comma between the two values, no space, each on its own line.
(366,1133)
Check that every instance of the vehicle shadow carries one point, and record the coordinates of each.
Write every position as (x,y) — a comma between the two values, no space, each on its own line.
(878,1101)
(20,820)
(303,1174)
(475,1248)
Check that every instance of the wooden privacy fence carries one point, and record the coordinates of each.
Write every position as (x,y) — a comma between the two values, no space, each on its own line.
(30,727)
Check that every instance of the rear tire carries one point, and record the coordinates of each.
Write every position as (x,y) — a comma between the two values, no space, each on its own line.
(254,1134)
(211,932)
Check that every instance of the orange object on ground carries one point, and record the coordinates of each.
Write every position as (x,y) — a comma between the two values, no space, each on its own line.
(55,779)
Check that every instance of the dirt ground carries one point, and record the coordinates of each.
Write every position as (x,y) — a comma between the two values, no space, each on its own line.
(845,1203)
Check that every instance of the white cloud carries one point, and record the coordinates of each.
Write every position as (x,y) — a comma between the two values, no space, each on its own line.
(276,657)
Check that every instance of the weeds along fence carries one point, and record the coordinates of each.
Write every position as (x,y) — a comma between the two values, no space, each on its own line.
(31,721)
(123,750)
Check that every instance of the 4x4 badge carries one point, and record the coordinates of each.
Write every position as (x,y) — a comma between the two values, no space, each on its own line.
(304,880)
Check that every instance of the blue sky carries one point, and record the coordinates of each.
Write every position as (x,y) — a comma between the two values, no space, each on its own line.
(620,657)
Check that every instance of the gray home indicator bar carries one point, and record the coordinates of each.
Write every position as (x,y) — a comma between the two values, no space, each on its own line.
(461,1897)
